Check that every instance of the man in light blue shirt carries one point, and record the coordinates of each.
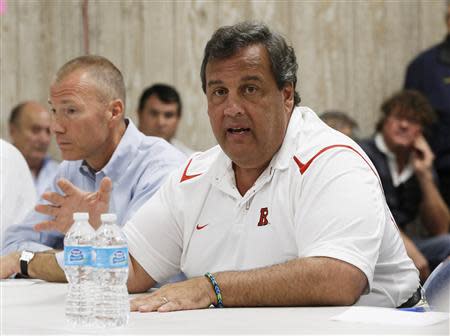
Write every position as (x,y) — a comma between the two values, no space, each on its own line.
(102,151)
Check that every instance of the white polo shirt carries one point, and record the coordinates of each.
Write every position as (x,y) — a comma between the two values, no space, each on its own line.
(319,196)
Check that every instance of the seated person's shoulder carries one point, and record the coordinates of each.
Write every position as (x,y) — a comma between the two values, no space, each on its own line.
(200,163)
(331,150)
(367,144)
(158,149)
(319,140)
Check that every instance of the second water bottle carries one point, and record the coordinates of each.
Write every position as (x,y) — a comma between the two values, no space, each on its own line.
(112,305)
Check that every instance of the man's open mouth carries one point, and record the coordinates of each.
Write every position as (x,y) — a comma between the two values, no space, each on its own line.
(238,130)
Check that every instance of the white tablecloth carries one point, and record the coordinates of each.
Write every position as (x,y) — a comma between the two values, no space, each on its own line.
(37,307)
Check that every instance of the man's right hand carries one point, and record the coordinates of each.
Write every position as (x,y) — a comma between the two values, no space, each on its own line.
(62,207)
(9,265)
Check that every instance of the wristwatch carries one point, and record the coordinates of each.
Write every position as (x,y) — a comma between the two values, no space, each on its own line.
(25,259)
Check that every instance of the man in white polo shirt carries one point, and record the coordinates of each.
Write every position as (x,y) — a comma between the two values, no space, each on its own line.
(284,212)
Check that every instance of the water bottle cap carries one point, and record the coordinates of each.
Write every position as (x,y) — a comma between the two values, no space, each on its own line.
(108,217)
(80,216)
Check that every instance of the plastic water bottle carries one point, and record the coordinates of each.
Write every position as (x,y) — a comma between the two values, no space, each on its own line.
(112,306)
(78,268)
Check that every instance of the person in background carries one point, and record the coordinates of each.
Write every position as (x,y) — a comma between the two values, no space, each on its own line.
(429,73)
(284,211)
(341,122)
(404,162)
(29,130)
(109,166)
(159,114)
(17,191)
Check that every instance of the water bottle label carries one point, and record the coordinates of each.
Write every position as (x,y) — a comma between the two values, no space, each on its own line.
(77,255)
(111,257)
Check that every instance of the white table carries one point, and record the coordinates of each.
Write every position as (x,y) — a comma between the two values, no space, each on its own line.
(37,307)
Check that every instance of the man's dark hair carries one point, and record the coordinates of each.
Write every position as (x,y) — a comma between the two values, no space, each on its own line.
(228,40)
(409,104)
(165,93)
(15,113)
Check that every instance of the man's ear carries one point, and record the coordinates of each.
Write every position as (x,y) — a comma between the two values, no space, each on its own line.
(116,109)
(288,96)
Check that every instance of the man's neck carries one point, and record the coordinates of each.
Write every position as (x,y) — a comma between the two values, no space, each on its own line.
(246,177)
(402,156)
(35,167)
(402,160)
(104,154)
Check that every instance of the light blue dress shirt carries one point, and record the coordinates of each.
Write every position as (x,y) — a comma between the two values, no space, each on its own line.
(137,169)
(46,175)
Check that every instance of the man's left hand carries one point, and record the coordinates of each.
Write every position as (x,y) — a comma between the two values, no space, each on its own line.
(194,293)
(62,207)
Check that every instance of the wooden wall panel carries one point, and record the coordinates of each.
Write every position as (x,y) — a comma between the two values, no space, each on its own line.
(352,54)
(133,63)
(323,40)
(275,12)
(369,77)
(402,40)
(33,51)
(61,24)
(431,22)
(231,12)
(37,37)
(9,81)
(107,30)
(157,44)
(194,23)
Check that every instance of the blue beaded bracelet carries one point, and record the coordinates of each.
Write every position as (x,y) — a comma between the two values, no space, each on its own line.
(216,289)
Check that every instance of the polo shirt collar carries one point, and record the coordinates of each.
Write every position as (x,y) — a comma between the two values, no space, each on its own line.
(222,175)
(283,157)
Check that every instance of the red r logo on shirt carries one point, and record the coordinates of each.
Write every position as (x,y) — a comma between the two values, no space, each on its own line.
(263,213)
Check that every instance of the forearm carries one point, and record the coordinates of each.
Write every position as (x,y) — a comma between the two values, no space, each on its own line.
(138,280)
(25,245)
(434,212)
(300,282)
(410,247)
(21,237)
(45,266)
(416,256)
